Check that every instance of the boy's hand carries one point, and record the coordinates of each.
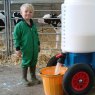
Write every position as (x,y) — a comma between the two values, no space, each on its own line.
(18,53)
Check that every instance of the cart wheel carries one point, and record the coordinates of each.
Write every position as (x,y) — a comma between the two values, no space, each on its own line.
(52,61)
(78,79)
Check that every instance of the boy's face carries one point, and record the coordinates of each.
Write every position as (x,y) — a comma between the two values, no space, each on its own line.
(26,13)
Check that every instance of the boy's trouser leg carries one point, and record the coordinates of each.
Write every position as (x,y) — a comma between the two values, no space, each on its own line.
(33,76)
(24,76)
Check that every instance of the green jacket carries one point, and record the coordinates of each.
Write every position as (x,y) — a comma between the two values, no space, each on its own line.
(27,39)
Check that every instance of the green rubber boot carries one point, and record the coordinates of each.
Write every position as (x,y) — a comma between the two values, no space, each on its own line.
(25,82)
(34,80)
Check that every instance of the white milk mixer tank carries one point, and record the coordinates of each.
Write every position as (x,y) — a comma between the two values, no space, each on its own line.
(78,26)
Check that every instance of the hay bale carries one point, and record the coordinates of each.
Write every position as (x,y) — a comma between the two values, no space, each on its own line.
(42,60)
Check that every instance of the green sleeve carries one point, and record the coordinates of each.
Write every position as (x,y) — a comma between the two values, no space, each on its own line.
(17,36)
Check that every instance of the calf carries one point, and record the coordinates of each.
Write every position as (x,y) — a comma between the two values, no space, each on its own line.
(55,21)
(17,17)
(2,29)
(2,23)
(52,19)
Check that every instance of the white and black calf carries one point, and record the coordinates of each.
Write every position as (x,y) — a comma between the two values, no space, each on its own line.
(52,19)
(2,22)
(55,21)
(17,17)
(2,29)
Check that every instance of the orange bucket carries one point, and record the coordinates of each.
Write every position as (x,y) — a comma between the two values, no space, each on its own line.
(52,83)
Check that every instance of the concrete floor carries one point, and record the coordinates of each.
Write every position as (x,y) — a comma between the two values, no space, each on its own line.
(10,83)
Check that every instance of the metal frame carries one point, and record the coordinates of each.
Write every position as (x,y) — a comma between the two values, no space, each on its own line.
(7,24)
(37,1)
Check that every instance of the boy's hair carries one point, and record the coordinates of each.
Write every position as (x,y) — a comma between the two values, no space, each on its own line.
(28,6)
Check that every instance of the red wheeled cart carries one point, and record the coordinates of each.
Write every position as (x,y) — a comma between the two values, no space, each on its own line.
(78,79)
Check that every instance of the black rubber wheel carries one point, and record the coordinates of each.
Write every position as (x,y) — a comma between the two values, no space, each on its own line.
(78,79)
(52,61)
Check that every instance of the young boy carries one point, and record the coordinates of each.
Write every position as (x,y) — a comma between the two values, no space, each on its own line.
(27,43)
